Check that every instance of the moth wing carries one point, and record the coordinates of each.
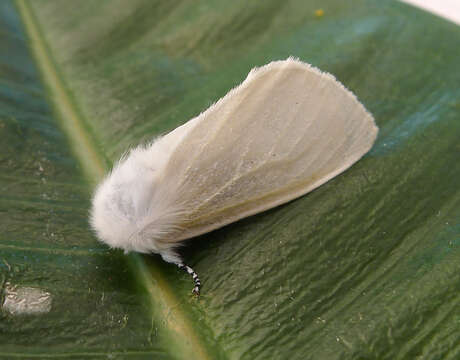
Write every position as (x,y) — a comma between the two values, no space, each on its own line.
(287,129)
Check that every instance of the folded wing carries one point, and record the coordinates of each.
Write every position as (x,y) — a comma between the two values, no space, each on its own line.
(287,129)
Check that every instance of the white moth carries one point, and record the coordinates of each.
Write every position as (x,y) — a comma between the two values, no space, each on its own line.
(287,129)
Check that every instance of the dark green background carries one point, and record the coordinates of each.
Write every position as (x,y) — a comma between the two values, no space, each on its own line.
(365,267)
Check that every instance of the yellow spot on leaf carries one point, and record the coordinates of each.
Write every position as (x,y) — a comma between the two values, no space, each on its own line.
(319,12)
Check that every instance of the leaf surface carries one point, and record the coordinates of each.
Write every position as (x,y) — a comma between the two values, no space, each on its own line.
(365,267)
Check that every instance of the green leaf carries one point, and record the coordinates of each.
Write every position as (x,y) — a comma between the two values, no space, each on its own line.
(365,267)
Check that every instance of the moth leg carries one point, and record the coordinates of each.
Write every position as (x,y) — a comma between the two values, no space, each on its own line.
(169,255)
(196,280)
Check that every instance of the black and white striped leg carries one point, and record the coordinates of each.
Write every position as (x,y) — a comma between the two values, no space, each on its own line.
(188,269)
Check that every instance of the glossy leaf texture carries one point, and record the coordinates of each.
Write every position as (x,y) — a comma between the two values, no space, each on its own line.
(365,267)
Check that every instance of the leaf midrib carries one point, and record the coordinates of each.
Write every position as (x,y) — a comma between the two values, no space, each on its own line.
(163,301)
